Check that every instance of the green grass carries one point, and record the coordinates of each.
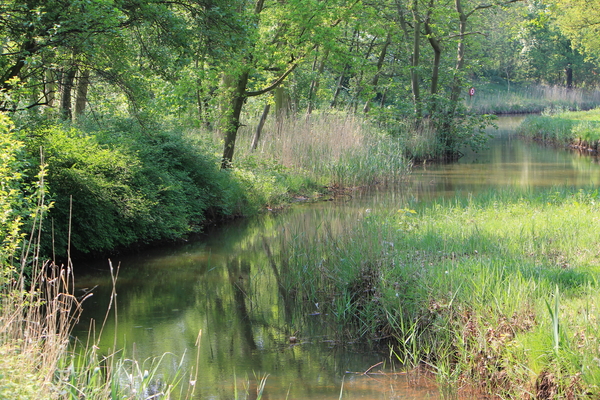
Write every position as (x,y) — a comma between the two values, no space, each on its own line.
(579,129)
(497,291)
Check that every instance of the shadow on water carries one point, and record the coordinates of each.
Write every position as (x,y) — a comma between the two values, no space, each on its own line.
(228,285)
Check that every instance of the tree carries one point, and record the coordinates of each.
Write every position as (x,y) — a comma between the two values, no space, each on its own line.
(275,38)
(579,20)
(35,32)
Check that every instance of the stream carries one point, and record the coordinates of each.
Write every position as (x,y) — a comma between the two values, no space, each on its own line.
(220,291)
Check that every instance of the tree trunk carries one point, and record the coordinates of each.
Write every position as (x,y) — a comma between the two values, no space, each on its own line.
(460,54)
(67,88)
(437,50)
(28,48)
(49,87)
(314,85)
(380,61)
(415,51)
(260,126)
(82,90)
(569,73)
(338,89)
(230,123)
(414,71)
(282,103)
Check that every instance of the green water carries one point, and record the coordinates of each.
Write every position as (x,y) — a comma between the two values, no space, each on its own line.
(223,288)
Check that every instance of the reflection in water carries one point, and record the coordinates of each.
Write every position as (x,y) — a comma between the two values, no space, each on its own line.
(228,286)
(508,162)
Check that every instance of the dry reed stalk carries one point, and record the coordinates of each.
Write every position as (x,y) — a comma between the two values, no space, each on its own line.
(301,141)
(35,324)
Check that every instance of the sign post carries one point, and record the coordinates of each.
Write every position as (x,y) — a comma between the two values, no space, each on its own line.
(472,92)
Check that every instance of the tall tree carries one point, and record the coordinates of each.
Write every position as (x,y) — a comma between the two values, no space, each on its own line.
(276,38)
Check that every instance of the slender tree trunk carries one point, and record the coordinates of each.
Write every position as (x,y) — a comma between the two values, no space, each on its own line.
(338,88)
(414,71)
(231,120)
(437,49)
(260,126)
(437,56)
(82,90)
(380,61)
(343,77)
(460,54)
(67,89)
(49,87)
(415,51)
(314,85)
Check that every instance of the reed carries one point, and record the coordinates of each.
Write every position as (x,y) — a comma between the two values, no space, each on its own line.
(518,99)
(38,309)
(333,149)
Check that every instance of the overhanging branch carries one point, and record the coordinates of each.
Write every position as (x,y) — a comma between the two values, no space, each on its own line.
(274,84)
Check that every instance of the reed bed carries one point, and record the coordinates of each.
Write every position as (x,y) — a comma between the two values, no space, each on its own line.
(333,149)
(531,99)
(497,291)
(38,359)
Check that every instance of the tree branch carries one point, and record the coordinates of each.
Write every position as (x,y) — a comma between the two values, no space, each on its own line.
(274,84)
(484,6)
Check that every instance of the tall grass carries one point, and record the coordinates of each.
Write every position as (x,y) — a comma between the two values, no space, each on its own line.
(577,129)
(38,309)
(497,291)
(491,99)
(333,149)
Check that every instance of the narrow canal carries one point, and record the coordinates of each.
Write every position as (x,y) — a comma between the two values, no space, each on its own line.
(221,291)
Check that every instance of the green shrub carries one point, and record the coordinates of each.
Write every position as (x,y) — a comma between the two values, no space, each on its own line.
(119,189)
(16,202)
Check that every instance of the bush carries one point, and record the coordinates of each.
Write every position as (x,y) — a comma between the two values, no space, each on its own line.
(16,203)
(124,188)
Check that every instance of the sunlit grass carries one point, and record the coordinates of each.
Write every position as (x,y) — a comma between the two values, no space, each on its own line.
(579,129)
(333,149)
(465,285)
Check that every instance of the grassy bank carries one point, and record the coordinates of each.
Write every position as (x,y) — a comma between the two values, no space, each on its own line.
(113,188)
(577,129)
(527,99)
(497,291)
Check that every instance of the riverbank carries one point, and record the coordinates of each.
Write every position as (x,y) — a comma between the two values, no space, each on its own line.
(579,130)
(404,258)
(124,187)
(495,291)
(515,98)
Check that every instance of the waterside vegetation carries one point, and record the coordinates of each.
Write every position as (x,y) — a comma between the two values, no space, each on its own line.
(496,291)
(519,98)
(126,119)
(580,130)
